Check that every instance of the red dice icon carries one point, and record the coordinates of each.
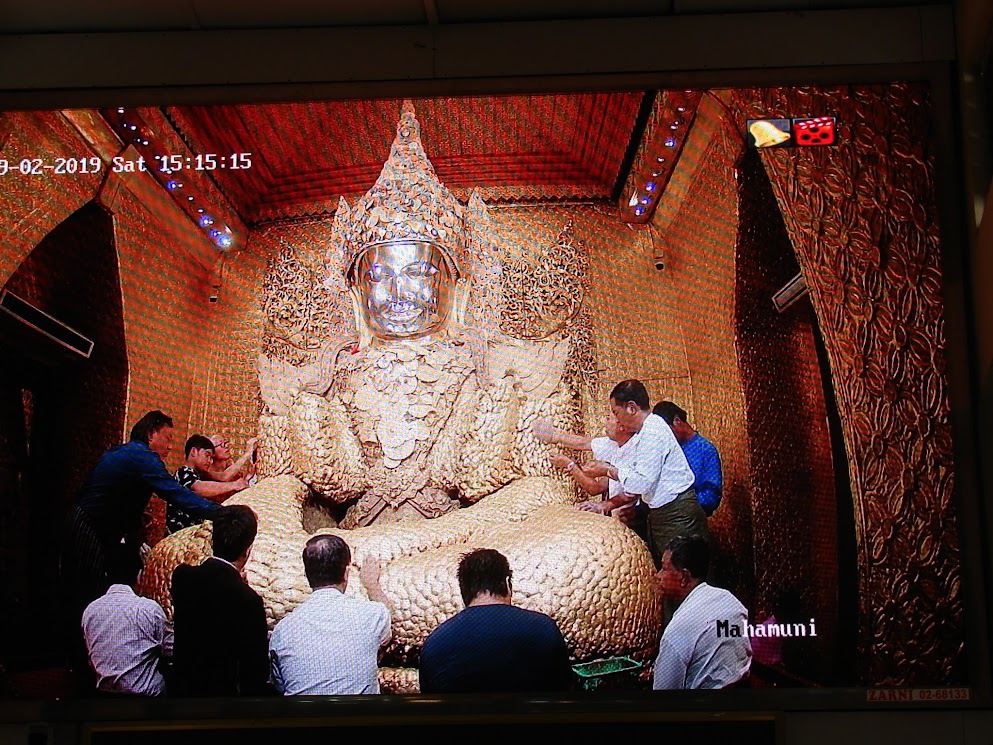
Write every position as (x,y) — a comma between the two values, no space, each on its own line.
(814,132)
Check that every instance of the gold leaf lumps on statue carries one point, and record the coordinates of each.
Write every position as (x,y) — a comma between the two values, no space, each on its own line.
(592,575)
(423,424)
(481,319)
(489,441)
(274,453)
(588,572)
(189,546)
(323,452)
(399,680)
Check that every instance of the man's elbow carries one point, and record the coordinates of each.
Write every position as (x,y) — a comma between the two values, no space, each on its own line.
(636,486)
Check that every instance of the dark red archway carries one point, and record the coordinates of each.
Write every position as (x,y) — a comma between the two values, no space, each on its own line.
(58,413)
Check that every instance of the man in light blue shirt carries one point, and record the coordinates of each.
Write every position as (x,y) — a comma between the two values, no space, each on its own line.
(700,454)
(127,636)
(329,645)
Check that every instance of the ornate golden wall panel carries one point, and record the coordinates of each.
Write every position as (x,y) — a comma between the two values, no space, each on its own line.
(795,497)
(862,219)
(165,268)
(33,204)
(225,399)
(696,224)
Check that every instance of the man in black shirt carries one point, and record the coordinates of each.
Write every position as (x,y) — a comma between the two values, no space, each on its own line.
(196,476)
(221,645)
(492,645)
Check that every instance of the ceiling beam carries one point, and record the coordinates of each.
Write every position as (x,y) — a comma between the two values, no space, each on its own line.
(448,53)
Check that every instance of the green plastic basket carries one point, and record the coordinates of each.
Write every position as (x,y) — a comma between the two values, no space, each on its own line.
(615,672)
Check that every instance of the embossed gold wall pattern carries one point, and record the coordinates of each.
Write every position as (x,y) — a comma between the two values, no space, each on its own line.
(795,496)
(36,204)
(177,350)
(862,219)
(696,222)
(225,395)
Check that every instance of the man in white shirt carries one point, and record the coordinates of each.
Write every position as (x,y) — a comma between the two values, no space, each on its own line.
(330,644)
(613,449)
(127,636)
(706,643)
(658,471)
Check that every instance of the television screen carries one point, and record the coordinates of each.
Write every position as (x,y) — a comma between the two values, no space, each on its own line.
(568,328)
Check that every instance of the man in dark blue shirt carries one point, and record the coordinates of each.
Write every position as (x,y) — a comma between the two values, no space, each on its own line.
(700,454)
(111,506)
(491,645)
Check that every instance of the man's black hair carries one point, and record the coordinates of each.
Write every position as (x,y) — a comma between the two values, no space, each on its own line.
(631,391)
(669,411)
(325,559)
(484,570)
(234,532)
(152,422)
(198,442)
(123,565)
(690,553)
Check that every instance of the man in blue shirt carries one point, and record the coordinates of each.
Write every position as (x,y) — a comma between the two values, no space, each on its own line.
(700,454)
(111,506)
(493,646)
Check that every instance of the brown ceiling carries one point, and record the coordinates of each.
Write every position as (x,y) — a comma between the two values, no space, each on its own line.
(306,155)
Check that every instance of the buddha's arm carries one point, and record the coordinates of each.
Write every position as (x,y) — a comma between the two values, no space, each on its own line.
(324,452)
(473,453)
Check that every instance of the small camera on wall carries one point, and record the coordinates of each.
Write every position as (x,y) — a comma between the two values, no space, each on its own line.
(214,290)
(658,249)
(658,253)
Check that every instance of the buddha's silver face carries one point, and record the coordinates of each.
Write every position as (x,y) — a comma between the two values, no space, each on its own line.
(406,288)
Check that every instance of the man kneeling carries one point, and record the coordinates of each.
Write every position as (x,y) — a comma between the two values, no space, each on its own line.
(329,646)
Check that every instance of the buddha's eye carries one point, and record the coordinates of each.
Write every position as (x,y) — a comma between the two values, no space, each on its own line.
(375,273)
(421,269)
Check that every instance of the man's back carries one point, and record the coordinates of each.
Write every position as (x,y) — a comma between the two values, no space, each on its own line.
(495,647)
(221,646)
(705,462)
(116,493)
(126,637)
(329,646)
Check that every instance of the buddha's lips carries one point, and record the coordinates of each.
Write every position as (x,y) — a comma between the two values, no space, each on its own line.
(401,312)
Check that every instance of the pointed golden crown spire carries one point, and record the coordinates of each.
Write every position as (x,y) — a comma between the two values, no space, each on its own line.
(408,202)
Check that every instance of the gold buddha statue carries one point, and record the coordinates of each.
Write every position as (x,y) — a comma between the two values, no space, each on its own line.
(409,419)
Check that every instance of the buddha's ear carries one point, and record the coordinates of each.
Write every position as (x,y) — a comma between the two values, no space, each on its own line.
(460,302)
(365,333)
(481,288)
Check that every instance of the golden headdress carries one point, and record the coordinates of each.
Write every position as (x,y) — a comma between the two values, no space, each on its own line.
(407,202)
